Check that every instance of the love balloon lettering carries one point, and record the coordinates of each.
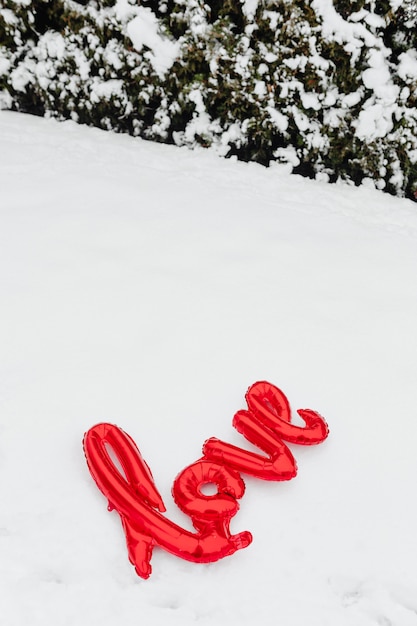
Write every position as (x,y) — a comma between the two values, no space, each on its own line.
(266,424)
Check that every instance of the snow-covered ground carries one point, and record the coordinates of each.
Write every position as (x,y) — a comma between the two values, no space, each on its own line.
(149,286)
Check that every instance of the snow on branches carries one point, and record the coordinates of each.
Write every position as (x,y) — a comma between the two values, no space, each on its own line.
(328,87)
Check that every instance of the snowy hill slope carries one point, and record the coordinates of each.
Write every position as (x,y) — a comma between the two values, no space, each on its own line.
(149,286)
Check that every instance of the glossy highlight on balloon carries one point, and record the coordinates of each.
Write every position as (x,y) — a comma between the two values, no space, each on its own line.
(133,494)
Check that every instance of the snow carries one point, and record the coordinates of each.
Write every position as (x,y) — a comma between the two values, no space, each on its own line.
(289,83)
(55,45)
(4,65)
(249,8)
(310,100)
(408,64)
(377,78)
(143,31)
(149,286)
(280,121)
(105,90)
(374,120)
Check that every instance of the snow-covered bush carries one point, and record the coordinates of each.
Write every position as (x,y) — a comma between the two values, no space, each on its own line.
(328,87)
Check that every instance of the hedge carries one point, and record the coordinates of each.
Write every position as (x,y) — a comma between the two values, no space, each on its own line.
(328,87)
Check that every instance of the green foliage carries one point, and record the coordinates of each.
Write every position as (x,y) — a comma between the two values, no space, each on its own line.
(346,7)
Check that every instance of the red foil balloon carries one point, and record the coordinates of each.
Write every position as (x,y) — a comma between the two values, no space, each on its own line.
(266,423)
(278,465)
(271,407)
(139,504)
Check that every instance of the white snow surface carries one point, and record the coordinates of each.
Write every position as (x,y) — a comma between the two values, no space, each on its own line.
(149,286)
